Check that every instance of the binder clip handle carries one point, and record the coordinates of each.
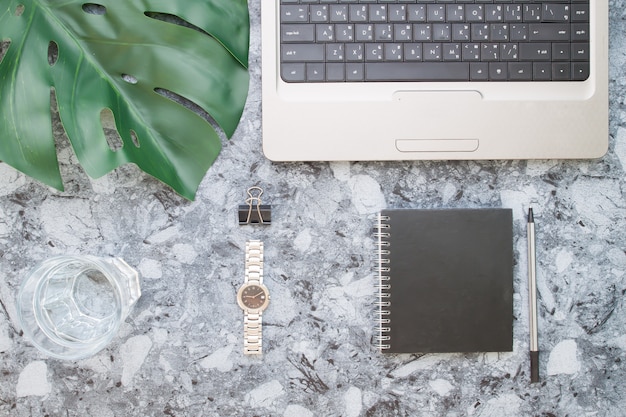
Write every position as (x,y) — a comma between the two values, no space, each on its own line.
(254,211)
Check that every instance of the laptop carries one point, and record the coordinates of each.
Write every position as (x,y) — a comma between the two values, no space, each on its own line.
(358,80)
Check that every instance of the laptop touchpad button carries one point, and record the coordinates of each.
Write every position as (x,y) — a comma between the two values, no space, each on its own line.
(437,145)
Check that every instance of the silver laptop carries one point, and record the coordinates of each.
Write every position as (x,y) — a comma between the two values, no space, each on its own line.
(434,79)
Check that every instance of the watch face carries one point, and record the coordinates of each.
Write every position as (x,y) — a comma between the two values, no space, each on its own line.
(253,296)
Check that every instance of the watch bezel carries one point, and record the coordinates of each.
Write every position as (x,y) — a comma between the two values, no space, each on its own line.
(248,309)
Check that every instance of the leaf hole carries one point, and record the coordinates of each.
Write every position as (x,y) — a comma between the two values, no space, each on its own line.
(4,47)
(53,53)
(185,102)
(19,10)
(114,140)
(94,8)
(176,20)
(129,79)
(134,138)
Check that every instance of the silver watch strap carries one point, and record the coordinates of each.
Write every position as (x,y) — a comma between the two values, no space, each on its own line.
(252,322)
(254,262)
(252,338)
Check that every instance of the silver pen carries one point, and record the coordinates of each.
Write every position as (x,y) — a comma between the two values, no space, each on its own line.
(532,299)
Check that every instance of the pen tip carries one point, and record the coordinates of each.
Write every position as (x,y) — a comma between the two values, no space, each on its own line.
(531,217)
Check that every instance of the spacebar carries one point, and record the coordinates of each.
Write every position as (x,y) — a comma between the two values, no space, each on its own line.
(417,71)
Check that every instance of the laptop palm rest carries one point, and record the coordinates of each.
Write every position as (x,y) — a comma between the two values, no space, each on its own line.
(442,140)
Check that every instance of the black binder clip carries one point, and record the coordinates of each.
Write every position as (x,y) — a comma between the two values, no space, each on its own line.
(254,212)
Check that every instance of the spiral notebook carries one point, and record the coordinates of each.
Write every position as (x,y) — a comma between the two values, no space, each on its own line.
(446,280)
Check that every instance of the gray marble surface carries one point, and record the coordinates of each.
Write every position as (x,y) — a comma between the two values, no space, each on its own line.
(179,352)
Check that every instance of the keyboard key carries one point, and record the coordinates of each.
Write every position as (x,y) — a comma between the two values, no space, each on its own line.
(518,32)
(334,52)
(394,52)
(417,71)
(432,52)
(490,52)
(355,72)
(442,32)
(451,51)
(455,13)
(479,71)
(542,71)
(294,14)
(422,32)
(535,51)
(412,51)
(461,32)
(302,52)
(481,32)
(315,72)
(580,12)
(561,51)
(335,72)
(374,52)
(561,71)
(378,13)
(397,12)
(402,32)
(358,13)
(549,32)
(364,32)
(416,13)
(494,13)
(383,32)
(297,33)
(499,32)
(498,71)
(474,13)
(580,52)
(354,52)
(293,72)
(509,51)
(552,12)
(532,12)
(344,32)
(319,13)
(436,12)
(580,32)
(471,51)
(520,71)
(325,33)
(580,71)
(513,13)
(339,13)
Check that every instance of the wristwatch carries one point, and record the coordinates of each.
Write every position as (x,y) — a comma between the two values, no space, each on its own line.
(253,297)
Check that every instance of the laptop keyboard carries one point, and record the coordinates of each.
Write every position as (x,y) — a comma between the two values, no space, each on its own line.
(434,40)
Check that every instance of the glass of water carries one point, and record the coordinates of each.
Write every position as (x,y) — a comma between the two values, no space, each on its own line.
(70,306)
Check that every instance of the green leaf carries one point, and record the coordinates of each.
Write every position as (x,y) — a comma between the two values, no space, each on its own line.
(124,57)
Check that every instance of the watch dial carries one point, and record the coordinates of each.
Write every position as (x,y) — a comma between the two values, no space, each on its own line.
(253,296)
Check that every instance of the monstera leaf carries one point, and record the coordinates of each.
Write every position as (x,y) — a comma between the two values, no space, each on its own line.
(137,60)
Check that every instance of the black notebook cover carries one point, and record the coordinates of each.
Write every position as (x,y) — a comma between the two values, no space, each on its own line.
(447,280)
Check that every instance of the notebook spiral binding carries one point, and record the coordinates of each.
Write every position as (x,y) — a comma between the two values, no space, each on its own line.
(383,304)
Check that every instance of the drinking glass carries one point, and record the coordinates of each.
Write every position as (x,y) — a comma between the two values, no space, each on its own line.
(71,307)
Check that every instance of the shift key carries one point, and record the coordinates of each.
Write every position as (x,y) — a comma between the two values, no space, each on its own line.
(302,53)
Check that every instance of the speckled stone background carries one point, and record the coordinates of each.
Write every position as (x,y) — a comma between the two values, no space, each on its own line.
(179,353)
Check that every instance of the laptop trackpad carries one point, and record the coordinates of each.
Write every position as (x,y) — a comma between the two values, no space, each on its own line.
(443,100)
(439,96)
(437,145)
